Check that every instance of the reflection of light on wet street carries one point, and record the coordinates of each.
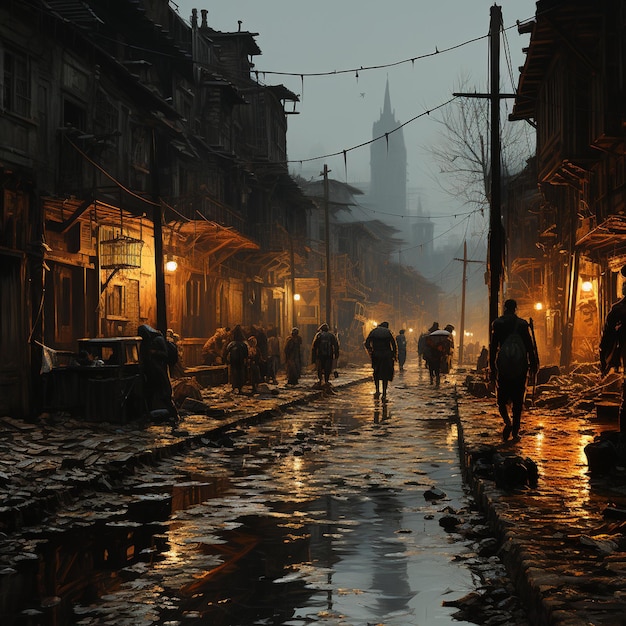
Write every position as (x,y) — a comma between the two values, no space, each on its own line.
(452,439)
(315,516)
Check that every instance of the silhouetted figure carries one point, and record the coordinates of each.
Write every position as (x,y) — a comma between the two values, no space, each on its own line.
(293,357)
(483,360)
(273,355)
(381,346)
(401,343)
(613,347)
(157,385)
(436,353)
(236,355)
(254,363)
(324,349)
(511,355)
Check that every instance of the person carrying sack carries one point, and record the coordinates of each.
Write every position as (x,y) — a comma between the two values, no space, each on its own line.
(511,356)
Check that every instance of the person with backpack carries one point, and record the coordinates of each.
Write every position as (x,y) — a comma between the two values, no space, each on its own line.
(613,348)
(383,350)
(324,349)
(236,355)
(436,353)
(511,356)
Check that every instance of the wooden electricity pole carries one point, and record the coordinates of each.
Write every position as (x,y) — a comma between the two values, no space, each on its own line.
(327,237)
(496,232)
(462,331)
(157,224)
(496,242)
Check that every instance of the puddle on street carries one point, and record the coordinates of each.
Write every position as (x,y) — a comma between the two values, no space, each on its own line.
(313,517)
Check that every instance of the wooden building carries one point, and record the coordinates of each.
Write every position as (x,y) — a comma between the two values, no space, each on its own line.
(572,89)
(135,142)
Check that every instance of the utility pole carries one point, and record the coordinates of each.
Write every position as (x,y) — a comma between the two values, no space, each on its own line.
(462,331)
(292,263)
(325,173)
(157,223)
(496,238)
(496,243)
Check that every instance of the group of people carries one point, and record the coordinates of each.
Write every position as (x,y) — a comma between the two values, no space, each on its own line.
(512,356)
(252,362)
(255,356)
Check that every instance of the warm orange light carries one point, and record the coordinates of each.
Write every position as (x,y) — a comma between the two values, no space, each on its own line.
(171,265)
(538,306)
(587,286)
(296,297)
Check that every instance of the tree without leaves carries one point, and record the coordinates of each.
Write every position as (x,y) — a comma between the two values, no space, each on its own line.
(462,154)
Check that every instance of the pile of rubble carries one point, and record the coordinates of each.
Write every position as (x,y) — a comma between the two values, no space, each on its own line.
(579,387)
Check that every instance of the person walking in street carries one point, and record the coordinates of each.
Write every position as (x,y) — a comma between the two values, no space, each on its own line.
(422,348)
(273,355)
(511,356)
(401,343)
(383,350)
(254,363)
(446,362)
(324,349)
(236,356)
(436,353)
(293,357)
(613,347)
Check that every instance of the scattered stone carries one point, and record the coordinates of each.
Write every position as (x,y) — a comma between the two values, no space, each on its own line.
(449,522)
(434,494)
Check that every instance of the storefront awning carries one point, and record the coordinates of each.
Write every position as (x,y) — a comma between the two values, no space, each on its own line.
(206,239)
(610,234)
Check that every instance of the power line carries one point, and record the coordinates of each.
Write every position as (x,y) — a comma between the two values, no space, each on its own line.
(367,143)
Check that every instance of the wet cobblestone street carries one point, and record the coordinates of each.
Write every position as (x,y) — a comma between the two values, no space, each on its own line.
(567,559)
(288,476)
(318,515)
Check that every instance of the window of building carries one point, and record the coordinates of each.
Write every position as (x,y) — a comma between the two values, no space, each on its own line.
(16,94)
(115,301)
(192,300)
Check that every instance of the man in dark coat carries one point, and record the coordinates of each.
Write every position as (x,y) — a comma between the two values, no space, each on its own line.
(613,347)
(383,350)
(293,357)
(436,354)
(510,378)
(236,355)
(154,361)
(324,349)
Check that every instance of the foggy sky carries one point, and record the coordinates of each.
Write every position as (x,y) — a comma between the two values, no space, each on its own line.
(337,111)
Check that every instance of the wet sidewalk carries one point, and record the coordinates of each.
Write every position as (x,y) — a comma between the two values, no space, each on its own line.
(44,464)
(566,559)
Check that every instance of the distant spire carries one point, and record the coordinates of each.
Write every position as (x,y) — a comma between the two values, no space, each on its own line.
(387,104)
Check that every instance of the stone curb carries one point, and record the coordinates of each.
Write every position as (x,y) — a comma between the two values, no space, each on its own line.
(536,588)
